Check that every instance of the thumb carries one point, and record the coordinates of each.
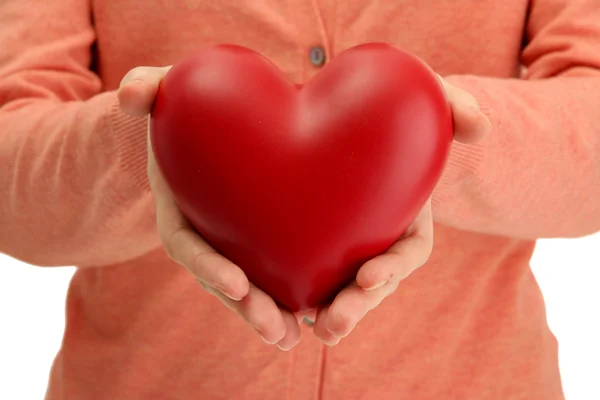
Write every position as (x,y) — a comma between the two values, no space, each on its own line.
(138,89)
(470,124)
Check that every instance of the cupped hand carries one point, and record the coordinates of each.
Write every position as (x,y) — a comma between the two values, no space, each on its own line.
(213,272)
(379,277)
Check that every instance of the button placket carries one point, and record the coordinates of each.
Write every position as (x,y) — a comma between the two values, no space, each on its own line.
(305,378)
(312,40)
(307,360)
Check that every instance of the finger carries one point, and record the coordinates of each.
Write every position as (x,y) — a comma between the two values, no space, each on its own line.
(347,309)
(354,302)
(400,260)
(379,277)
(260,311)
(292,332)
(320,328)
(138,89)
(470,124)
(184,246)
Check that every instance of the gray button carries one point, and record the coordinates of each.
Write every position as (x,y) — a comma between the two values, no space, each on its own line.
(317,56)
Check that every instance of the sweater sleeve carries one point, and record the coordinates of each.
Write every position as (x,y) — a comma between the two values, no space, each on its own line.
(537,175)
(73,186)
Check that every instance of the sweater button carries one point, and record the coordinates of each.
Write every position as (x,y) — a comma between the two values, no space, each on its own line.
(317,56)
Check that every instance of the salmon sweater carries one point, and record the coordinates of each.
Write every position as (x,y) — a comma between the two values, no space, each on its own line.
(470,324)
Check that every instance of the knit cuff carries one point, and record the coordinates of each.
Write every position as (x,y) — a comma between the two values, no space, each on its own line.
(131,138)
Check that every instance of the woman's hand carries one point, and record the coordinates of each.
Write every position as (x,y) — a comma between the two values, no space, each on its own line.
(379,277)
(214,273)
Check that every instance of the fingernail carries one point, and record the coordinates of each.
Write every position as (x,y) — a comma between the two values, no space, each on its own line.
(377,285)
(231,297)
(265,340)
(283,348)
(224,292)
(331,342)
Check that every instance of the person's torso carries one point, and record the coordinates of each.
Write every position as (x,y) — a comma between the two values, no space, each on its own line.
(470,324)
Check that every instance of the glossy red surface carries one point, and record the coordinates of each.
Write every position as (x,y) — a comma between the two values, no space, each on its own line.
(300,185)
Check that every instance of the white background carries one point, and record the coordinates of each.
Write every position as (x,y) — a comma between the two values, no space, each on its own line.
(32,318)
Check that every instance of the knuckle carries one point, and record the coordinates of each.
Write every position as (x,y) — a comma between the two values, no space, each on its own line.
(171,243)
(425,253)
(196,262)
(207,287)
(258,325)
(134,74)
(259,320)
(380,299)
(390,290)
(342,322)
(256,319)
(347,324)
(170,252)
(203,285)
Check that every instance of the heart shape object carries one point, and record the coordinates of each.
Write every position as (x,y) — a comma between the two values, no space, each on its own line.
(299,185)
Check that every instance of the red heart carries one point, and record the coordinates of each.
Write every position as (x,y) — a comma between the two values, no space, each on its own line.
(300,185)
